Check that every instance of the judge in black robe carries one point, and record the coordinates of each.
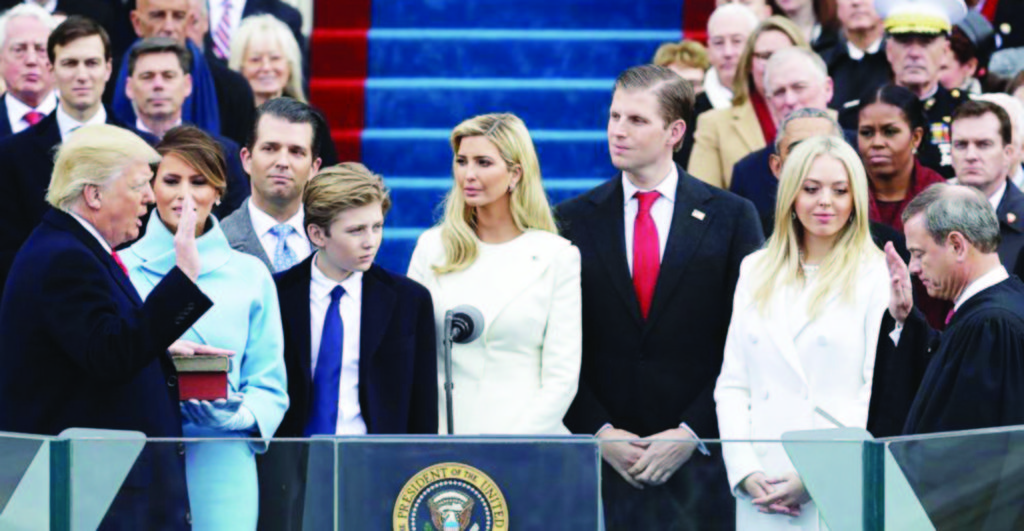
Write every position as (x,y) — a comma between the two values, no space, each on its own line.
(975,369)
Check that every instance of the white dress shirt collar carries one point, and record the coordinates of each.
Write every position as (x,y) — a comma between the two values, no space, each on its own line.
(857,54)
(92,230)
(67,124)
(667,186)
(16,110)
(719,95)
(1018,176)
(997,197)
(993,277)
(50,5)
(320,285)
(263,222)
(141,126)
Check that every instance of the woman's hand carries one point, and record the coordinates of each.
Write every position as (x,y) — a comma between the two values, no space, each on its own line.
(789,494)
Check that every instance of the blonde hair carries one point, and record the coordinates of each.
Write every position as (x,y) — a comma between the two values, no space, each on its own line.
(528,202)
(780,265)
(743,81)
(269,27)
(339,188)
(94,155)
(690,53)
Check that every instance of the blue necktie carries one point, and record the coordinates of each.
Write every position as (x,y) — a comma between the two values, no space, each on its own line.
(323,417)
(284,257)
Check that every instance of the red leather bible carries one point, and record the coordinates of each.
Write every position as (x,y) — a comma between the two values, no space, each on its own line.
(202,377)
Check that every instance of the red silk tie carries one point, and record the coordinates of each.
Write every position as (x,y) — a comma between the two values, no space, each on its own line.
(119,262)
(646,256)
(949,316)
(33,117)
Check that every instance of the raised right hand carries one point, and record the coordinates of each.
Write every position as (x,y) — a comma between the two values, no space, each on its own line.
(622,454)
(185,250)
(901,298)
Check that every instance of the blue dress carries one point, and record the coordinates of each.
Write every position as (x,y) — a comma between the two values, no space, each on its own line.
(222,488)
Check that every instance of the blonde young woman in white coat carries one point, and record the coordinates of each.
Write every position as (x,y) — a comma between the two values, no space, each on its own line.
(497,249)
(804,330)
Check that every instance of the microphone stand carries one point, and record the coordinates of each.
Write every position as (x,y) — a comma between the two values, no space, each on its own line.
(448,385)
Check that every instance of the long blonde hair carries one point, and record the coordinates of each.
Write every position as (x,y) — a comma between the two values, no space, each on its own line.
(743,81)
(780,265)
(528,202)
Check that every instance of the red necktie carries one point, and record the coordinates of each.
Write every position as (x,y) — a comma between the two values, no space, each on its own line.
(949,316)
(33,117)
(646,258)
(119,262)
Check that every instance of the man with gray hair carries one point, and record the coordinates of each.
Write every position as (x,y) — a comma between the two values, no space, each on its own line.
(79,347)
(975,378)
(26,68)
(972,375)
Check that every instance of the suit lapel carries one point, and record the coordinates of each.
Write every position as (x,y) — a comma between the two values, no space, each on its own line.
(250,242)
(377,305)
(5,120)
(66,222)
(295,315)
(780,328)
(1011,208)
(689,223)
(609,235)
(745,126)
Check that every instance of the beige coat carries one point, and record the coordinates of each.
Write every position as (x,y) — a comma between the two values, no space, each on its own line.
(722,138)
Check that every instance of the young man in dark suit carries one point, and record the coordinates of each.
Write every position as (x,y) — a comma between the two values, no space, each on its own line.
(79,348)
(79,54)
(360,346)
(661,253)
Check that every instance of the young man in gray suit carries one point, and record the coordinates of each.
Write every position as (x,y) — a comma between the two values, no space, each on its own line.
(281,155)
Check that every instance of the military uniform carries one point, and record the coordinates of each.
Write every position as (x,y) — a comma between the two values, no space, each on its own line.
(936,151)
(853,78)
(1009,24)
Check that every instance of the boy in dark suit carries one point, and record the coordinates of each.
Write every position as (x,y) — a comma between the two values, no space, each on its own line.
(360,345)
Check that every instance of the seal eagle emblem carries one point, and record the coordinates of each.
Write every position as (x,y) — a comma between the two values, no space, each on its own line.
(450,497)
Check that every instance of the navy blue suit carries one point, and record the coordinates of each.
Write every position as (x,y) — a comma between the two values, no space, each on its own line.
(5,119)
(397,377)
(1011,226)
(79,348)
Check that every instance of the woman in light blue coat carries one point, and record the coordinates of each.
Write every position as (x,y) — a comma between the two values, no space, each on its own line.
(245,319)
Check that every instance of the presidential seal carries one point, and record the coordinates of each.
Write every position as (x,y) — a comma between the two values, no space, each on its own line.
(450,497)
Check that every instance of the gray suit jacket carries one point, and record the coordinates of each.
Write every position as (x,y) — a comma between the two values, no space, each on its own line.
(242,237)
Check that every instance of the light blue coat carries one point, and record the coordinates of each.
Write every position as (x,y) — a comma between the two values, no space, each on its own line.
(245,318)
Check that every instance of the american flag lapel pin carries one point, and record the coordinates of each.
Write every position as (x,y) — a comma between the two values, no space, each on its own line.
(698,214)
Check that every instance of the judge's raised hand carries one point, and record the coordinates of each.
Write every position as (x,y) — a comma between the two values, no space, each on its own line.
(666,452)
(185,250)
(901,297)
(184,347)
(622,454)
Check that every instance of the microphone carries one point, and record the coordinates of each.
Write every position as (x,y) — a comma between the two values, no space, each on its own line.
(467,324)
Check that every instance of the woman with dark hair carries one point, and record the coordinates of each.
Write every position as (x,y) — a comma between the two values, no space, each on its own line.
(891,126)
(246,319)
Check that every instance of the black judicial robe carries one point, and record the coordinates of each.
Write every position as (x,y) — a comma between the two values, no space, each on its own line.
(975,378)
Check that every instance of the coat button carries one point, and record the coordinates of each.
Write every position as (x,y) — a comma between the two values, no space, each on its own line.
(822,341)
(753,338)
(172,381)
(181,448)
(188,517)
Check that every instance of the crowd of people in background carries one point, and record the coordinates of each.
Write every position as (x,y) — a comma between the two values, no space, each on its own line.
(817,219)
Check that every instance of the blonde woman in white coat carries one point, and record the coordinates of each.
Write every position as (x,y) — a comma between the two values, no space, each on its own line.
(803,334)
(497,249)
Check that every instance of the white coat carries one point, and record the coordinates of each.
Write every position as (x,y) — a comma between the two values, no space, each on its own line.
(778,367)
(521,374)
